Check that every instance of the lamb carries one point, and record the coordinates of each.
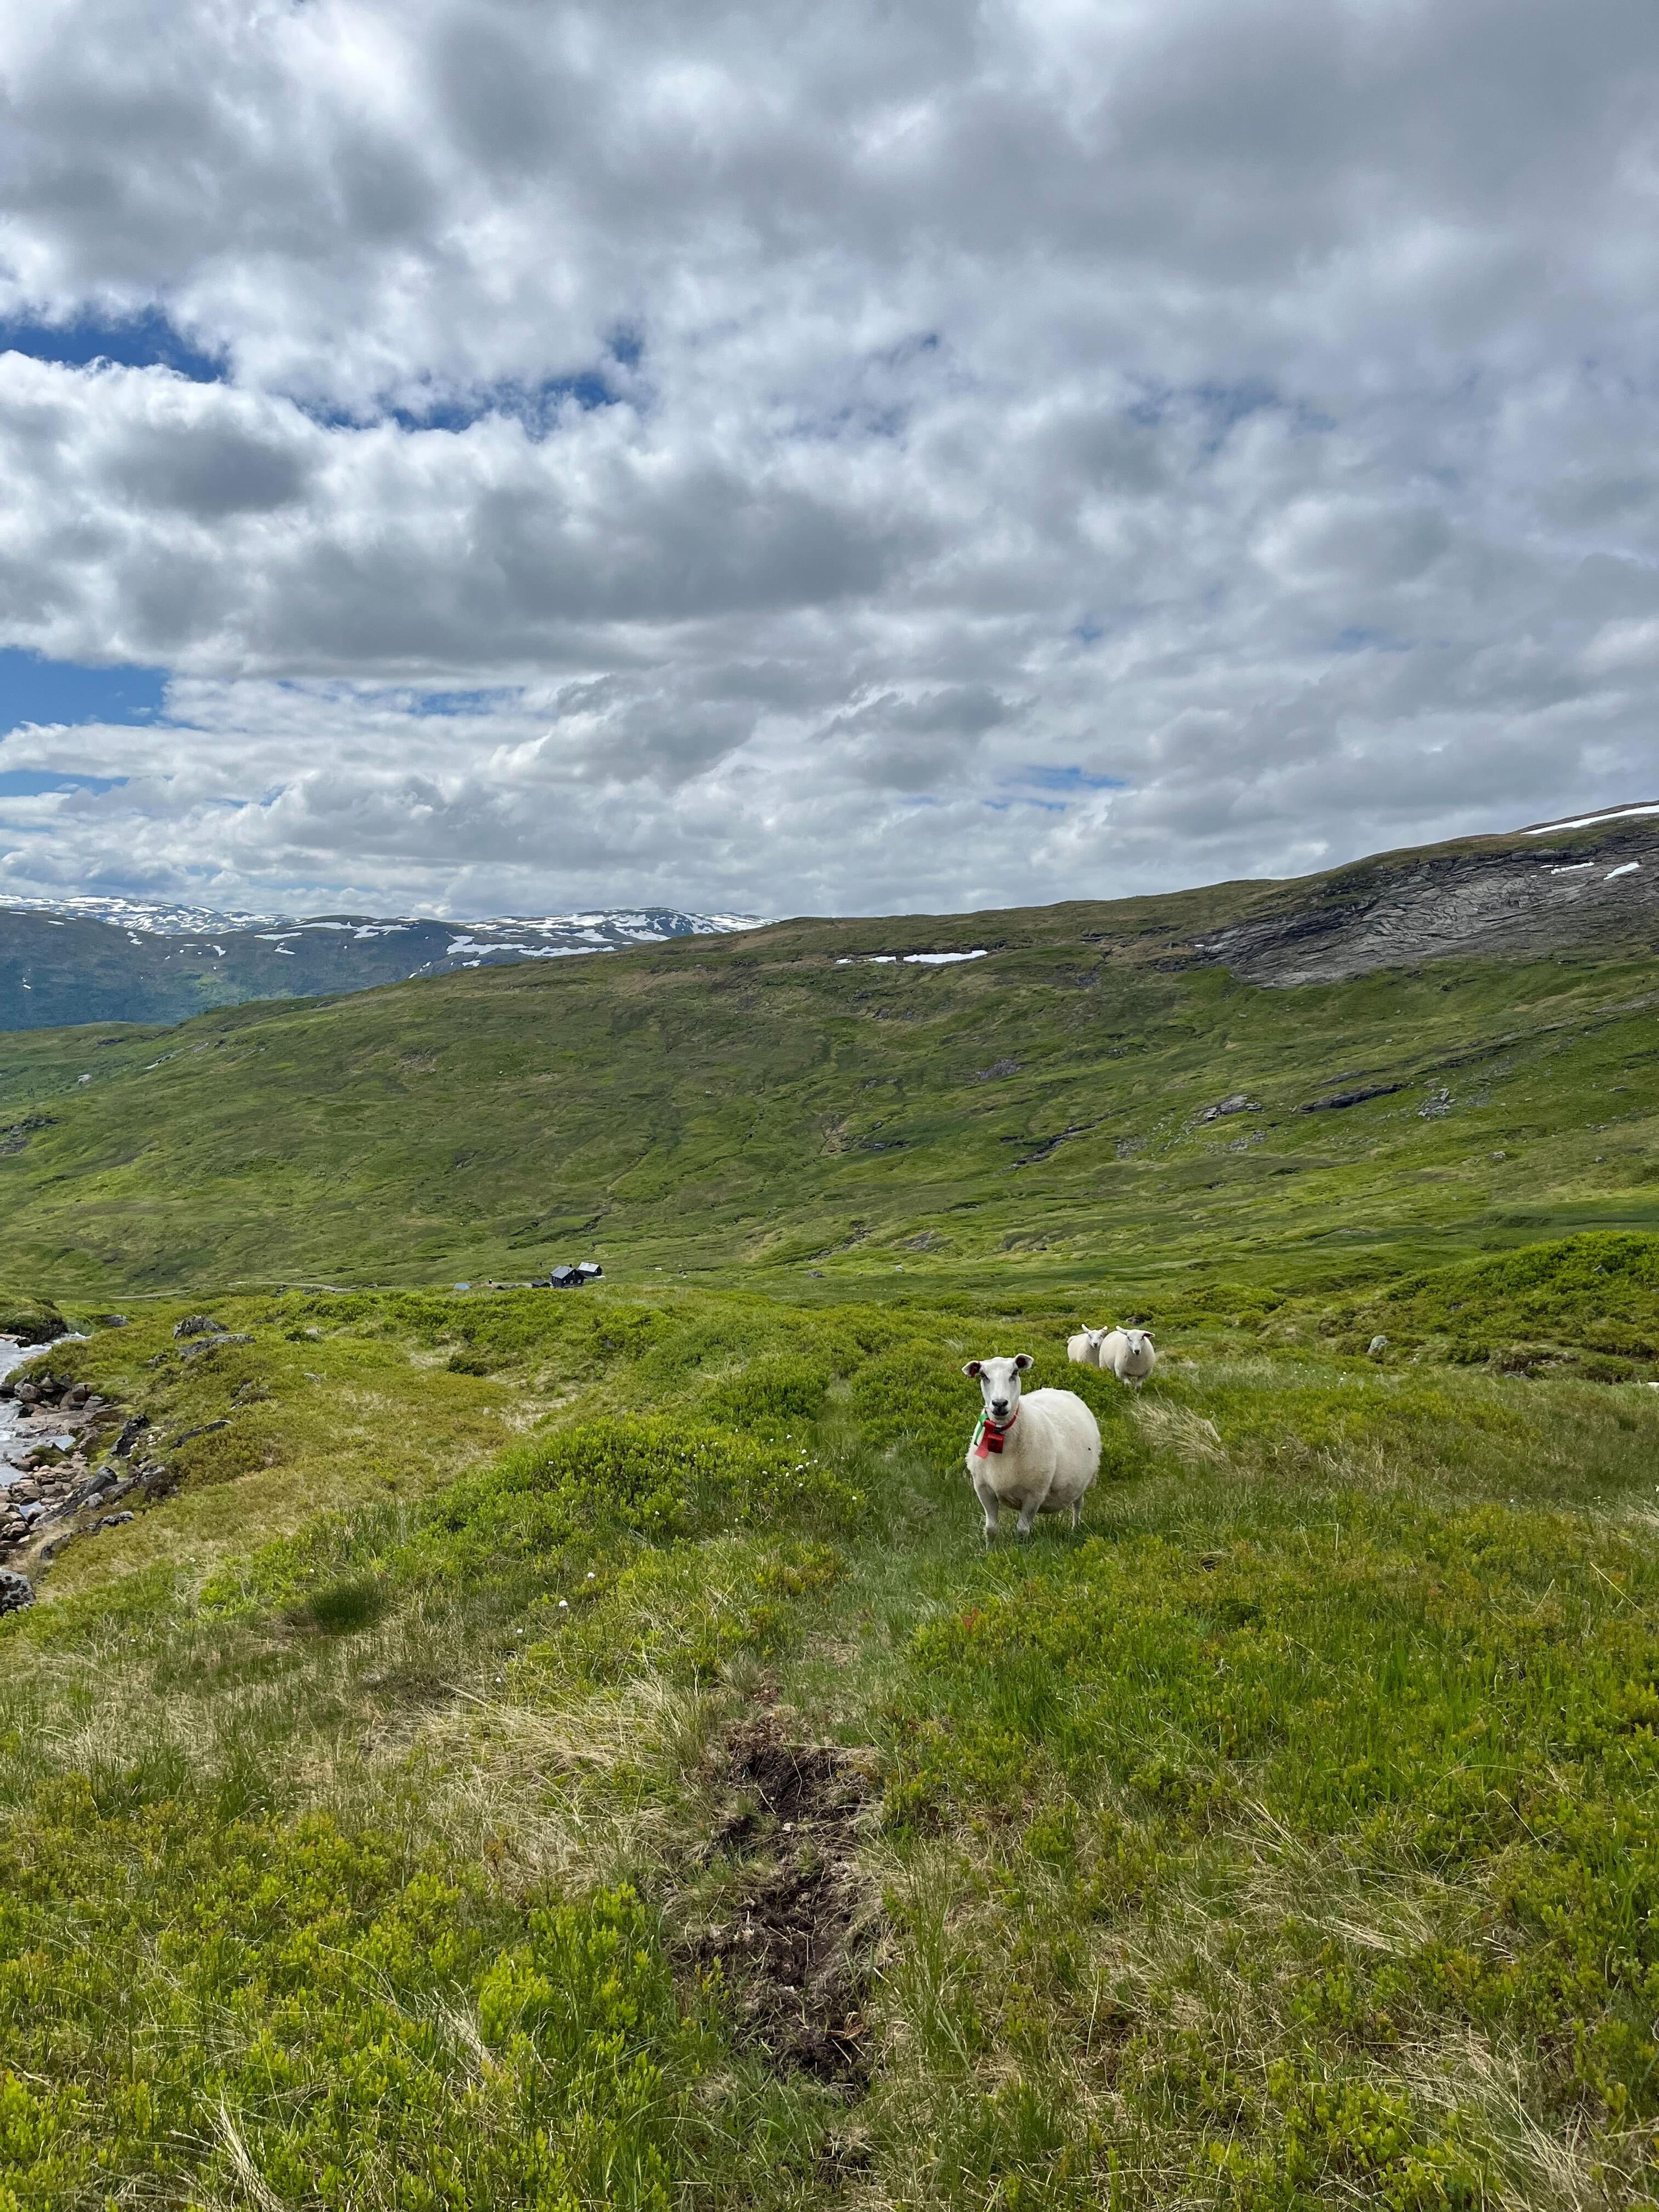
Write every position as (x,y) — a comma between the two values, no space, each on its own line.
(1083,1350)
(1040,1453)
(1130,1354)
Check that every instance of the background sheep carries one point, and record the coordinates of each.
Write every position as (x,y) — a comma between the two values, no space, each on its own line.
(1130,1354)
(1083,1350)
(1039,1452)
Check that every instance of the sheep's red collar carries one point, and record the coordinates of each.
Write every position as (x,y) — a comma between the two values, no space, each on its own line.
(989,1436)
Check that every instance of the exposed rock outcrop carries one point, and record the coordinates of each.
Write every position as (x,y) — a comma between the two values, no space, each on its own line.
(1524,894)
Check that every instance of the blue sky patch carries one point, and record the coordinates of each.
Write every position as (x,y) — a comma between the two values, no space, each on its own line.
(536,406)
(33,690)
(1068,779)
(461,702)
(32,782)
(143,341)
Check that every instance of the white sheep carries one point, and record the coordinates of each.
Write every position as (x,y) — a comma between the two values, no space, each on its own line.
(1040,1453)
(1083,1350)
(1130,1354)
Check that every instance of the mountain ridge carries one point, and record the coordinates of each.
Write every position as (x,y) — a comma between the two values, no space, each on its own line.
(74,961)
(1524,892)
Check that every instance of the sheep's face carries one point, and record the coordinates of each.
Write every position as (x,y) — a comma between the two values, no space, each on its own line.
(1140,1340)
(999,1382)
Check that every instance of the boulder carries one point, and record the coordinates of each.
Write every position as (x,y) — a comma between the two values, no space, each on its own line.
(1239,1104)
(15,1590)
(198,1325)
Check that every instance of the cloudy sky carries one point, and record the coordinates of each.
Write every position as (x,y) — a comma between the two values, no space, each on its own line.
(498,456)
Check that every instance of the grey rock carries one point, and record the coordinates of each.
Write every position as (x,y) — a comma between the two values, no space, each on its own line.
(15,1590)
(186,1436)
(1339,1100)
(130,1435)
(1520,895)
(198,1325)
(1376,1347)
(1239,1104)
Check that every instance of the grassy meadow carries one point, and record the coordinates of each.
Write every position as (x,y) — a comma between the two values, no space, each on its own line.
(393,1816)
(558,1751)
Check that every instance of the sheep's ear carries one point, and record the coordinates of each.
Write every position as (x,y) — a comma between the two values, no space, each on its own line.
(1147,1334)
(972,1368)
(1023,1360)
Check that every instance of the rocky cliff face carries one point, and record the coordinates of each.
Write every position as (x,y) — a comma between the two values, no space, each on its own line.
(1536,892)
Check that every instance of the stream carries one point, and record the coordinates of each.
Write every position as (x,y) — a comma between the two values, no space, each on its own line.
(19,1435)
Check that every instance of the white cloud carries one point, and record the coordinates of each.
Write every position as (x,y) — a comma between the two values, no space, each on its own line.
(1244,406)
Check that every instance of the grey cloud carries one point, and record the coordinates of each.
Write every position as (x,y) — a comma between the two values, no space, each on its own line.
(208,472)
(1245,400)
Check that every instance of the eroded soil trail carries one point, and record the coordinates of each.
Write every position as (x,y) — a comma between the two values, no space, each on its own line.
(794,1938)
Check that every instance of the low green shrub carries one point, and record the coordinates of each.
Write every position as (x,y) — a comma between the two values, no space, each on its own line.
(288,2011)
(643,1476)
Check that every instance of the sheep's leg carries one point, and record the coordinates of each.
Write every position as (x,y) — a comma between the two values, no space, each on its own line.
(991,1502)
(1032,1508)
(1076,1513)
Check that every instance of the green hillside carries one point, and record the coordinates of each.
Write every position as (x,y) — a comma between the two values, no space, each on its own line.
(782,1104)
(489,1750)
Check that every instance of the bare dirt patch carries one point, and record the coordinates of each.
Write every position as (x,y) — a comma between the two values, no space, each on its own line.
(793,1933)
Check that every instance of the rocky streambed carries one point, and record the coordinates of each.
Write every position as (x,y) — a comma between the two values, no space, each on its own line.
(50,1425)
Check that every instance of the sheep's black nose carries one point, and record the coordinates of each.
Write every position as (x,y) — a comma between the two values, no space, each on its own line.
(998,1405)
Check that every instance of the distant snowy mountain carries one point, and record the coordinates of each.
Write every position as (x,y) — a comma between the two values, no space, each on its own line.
(74,960)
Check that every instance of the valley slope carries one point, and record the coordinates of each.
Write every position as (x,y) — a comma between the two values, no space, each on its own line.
(1111,1091)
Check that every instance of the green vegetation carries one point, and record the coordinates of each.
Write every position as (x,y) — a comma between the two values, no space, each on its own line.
(29,1317)
(575,1750)
(1288,1838)
(759,1105)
